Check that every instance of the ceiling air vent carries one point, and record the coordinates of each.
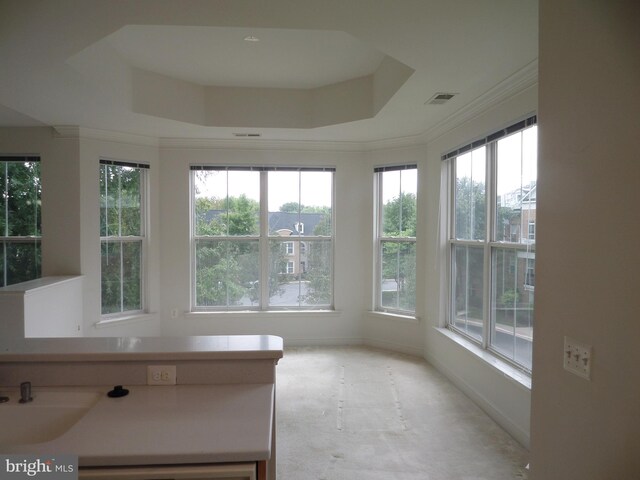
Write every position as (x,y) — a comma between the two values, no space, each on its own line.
(440,98)
(247,135)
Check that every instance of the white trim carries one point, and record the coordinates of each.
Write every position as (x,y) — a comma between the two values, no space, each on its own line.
(124,319)
(77,132)
(521,80)
(503,419)
(392,316)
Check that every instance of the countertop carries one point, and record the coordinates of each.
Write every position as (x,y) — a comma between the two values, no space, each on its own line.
(156,425)
(85,349)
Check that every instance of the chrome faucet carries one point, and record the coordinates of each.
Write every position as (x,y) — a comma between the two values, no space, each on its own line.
(25,392)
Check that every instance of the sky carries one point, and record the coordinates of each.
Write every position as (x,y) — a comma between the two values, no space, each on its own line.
(307,188)
(517,162)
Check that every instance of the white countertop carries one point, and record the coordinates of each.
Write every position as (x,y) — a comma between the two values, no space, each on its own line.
(169,424)
(141,348)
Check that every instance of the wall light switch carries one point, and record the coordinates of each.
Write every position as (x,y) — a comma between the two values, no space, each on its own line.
(161,374)
(577,358)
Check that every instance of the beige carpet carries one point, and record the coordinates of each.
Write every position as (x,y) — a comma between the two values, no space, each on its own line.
(350,413)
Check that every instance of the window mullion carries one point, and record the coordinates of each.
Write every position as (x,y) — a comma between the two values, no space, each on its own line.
(264,241)
(490,182)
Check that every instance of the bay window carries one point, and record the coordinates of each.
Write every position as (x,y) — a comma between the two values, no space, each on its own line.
(492,241)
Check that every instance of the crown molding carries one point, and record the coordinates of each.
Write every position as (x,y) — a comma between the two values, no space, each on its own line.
(260,144)
(74,131)
(518,82)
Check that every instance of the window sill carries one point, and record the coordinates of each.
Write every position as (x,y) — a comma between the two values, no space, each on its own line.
(394,316)
(122,320)
(509,371)
(261,314)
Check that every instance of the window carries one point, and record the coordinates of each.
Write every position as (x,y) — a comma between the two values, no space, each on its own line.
(122,235)
(20,219)
(396,239)
(248,223)
(493,184)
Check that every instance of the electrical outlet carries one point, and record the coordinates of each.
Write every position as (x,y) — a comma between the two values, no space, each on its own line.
(577,358)
(161,374)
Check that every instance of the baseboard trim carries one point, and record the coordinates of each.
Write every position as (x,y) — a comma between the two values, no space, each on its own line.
(520,435)
(394,347)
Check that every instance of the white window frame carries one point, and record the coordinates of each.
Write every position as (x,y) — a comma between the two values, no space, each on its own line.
(143,169)
(289,248)
(264,238)
(380,239)
(489,244)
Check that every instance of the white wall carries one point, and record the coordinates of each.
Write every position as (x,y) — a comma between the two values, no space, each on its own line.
(504,399)
(91,151)
(588,260)
(392,331)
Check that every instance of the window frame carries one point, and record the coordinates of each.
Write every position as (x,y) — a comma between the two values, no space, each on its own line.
(490,245)
(381,239)
(5,238)
(264,239)
(143,239)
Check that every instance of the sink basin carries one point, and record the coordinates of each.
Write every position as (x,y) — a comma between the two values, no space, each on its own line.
(49,415)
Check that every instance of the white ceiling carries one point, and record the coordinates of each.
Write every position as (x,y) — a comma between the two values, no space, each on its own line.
(71,63)
(282,58)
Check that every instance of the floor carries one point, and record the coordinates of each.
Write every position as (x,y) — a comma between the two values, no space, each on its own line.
(361,413)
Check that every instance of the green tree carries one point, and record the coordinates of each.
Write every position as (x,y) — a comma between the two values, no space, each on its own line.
(399,258)
(290,207)
(20,192)
(121,216)
(227,270)
(471,211)
(400,216)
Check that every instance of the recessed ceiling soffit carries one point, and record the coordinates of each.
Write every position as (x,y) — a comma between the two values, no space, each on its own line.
(239,77)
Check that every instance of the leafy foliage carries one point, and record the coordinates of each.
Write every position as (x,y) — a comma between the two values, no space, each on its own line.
(121,256)
(399,258)
(20,192)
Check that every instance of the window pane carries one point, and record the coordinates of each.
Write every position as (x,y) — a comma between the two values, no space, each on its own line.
(399,205)
(398,276)
(3,199)
(111,279)
(516,187)
(470,203)
(110,201)
(130,202)
(227,273)
(300,203)
(131,268)
(23,261)
(512,304)
(22,180)
(468,304)
(121,215)
(302,278)
(227,202)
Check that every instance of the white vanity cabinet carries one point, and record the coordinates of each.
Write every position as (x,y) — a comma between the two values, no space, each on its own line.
(216,421)
(231,471)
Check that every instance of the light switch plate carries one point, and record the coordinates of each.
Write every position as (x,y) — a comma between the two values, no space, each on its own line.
(577,358)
